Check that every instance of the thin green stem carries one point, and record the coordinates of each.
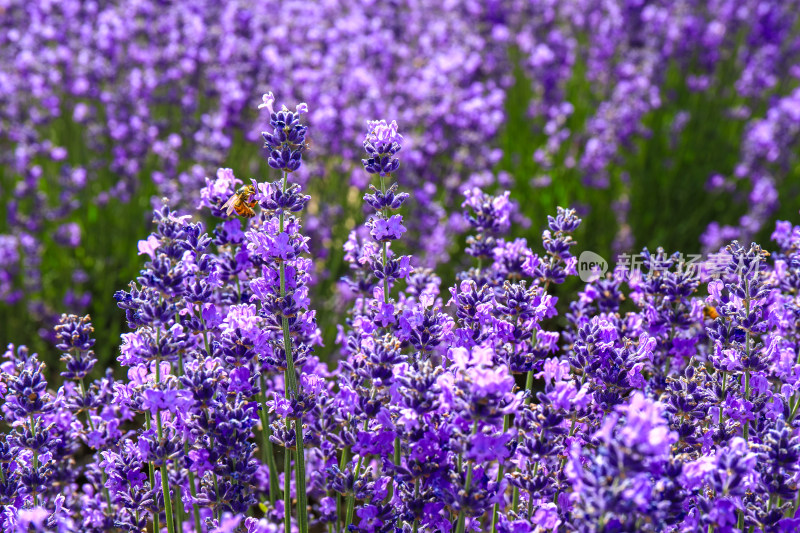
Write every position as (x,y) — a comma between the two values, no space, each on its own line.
(528,400)
(496,509)
(746,430)
(205,331)
(396,461)
(416,497)
(35,465)
(794,410)
(152,472)
(179,508)
(724,386)
(103,476)
(385,257)
(351,498)
(468,483)
(287,501)
(300,478)
(217,509)
(795,400)
(529,386)
(384,254)
(290,390)
(193,491)
(342,463)
(267,451)
(164,477)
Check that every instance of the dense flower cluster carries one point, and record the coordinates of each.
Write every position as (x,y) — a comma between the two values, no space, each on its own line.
(98,98)
(738,55)
(663,400)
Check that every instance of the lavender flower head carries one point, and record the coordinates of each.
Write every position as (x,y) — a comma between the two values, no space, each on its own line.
(287,141)
(381,144)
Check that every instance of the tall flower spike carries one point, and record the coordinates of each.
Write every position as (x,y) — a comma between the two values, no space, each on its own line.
(287,141)
(282,289)
(489,216)
(373,335)
(381,144)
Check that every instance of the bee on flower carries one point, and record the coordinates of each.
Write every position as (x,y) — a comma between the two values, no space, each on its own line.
(240,202)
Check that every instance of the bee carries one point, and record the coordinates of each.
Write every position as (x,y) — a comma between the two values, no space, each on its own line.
(710,312)
(240,202)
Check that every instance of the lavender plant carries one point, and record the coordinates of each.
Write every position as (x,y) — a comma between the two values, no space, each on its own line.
(686,108)
(664,399)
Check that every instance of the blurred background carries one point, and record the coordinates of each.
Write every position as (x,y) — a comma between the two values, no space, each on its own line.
(664,123)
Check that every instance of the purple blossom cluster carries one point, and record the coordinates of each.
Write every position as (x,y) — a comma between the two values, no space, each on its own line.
(741,53)
(660,401)
(97,98)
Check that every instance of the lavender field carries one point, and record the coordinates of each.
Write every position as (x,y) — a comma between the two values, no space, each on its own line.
(318,266)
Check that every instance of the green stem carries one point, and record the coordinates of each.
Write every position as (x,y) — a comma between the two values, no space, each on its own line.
(530,505)
(564,459)
(192,489)
(91,426)
(529,386)
(724,386)
(384,254)
(796,505)
(351,498)
(746,430)
(35,465)
(287,502)
(290,389)
(152,473)
(515,500)
(396,461)
(467,485)
(267,452)
(530,494)
(529,399)
(794,410)
(495,511)
(205,330)
(795,399)
(342,462)
(164,478)
(300,478)
(179,508)
(416,497)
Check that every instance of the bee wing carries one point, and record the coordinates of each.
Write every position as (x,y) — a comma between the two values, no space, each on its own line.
(229,206)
